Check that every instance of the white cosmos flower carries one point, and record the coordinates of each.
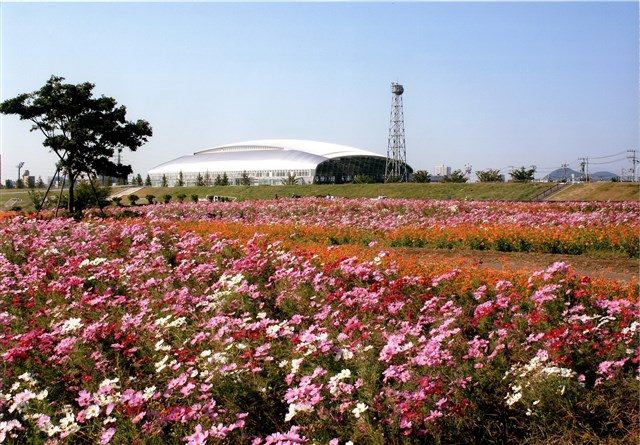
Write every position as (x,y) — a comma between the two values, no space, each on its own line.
(92,411)
(359,409)
(71,325)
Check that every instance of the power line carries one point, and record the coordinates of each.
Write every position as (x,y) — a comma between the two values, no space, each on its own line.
(606,162)
(607,156)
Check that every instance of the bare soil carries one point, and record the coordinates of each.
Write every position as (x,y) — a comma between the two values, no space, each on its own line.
(613,268)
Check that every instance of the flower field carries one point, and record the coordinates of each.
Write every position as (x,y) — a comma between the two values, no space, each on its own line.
(295,321)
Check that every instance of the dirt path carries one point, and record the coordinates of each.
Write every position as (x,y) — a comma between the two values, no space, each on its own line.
(625,269)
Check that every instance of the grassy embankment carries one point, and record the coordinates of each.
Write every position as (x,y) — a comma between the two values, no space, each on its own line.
(599,191)
(479,191)
(604,191)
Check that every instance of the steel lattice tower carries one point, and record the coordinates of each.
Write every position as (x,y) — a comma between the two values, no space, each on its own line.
(396,168)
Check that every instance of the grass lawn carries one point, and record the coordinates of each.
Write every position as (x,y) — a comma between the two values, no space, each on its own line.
(601,191)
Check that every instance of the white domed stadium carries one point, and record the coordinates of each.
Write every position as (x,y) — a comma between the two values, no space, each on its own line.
(272,161)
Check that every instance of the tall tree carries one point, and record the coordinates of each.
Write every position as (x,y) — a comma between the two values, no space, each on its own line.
(290,180)
(523,174)
(421,176)
(245,179)
(455,176)
(83,131)
(490,175)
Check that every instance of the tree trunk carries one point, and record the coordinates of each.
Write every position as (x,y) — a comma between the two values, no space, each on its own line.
(71,203)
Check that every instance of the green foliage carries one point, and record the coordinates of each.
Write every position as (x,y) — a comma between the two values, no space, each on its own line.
(165,182)
(200,180)
(221,180)
(37,199)
(147,181)
(290,180)
(166,198)
(117,200)
(180,181)
(421,176)
(245,179)
(490,175)
(181,197)
(362,179)
(90,194)
(523,174)
(150,198)
(194,198)
(84,132)
(133,199)
(456,177)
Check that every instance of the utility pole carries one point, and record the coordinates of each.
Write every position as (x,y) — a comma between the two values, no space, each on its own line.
(588,177)
(564,175)
(634,161)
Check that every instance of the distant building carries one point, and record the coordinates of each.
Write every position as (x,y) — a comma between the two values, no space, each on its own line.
(55,180)
(441,170)
(28,180)
(269,162)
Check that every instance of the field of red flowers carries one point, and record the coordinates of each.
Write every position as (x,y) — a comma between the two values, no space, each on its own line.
(299,321)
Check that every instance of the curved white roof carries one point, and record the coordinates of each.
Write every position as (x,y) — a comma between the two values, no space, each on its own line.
(267,154)
(324,149)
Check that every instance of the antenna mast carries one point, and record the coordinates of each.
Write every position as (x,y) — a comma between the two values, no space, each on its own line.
(396,167)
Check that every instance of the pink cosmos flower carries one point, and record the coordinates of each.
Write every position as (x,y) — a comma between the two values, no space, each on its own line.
(197,438)
(107,435)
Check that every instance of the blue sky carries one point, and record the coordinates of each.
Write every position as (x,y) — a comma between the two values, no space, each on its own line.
(490,84)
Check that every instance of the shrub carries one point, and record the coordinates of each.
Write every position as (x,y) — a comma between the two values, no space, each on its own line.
(133,199)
